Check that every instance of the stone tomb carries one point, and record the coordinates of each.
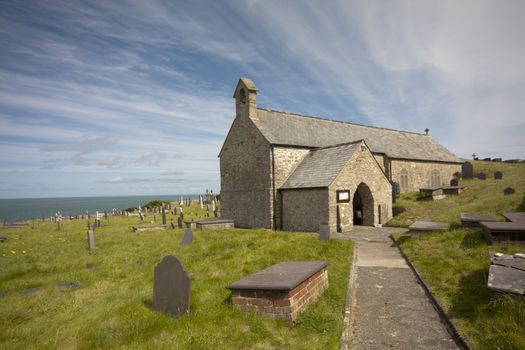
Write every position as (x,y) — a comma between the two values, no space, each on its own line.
(149,228)
(214,224)
(431,193)
(467,170)
(283,290)
(503,231)
(473,220)
(498,175)
(427,226)
(514,217)
(171,287)
(453,190)
(507,273)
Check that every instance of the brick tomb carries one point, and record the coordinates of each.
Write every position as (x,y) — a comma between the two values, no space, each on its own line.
(282,290)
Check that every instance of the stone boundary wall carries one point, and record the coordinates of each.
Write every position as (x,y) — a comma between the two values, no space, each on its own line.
(283,305)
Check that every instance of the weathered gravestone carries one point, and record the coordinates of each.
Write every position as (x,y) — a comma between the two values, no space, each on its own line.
(171,287)
(324,232)
(508,191)
(187,239)
(467,170)
(498,175)
(482,176)
(179,222)
(91,240)
(454,182)
(163,216)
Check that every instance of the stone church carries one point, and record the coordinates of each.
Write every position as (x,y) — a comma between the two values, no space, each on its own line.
(294,172)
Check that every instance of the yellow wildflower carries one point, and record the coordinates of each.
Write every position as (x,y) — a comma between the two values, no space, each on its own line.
(23,251)
(13,251)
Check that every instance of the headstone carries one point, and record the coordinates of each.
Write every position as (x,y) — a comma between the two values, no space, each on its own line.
(154,218)
(105,214)
(508,191)
(179,222)
(467,170)
(213,205)
(171,287)
(498,175)
(181,215)
(201,204)
(454,182)
(216,213)
(91,240)
(172,225)
(187,239)
(324,232)
(482,176)
(163,216)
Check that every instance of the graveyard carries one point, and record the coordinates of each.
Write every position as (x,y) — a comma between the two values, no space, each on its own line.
(455,263)
(58,294)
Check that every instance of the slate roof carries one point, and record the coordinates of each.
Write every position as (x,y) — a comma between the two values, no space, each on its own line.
(321,166)
(283,128)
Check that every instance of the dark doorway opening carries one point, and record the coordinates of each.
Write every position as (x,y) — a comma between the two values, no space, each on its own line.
(363,206)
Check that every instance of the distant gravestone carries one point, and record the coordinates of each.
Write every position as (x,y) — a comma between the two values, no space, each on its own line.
(179,222)
(187,239)
(508,191)
(454,182)
(482,176)
(163,216)
(498,175)
(181,215)
(324,232)
(91,240)
(171,287)
(467,170)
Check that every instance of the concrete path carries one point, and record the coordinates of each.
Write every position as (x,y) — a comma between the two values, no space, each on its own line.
(387,306)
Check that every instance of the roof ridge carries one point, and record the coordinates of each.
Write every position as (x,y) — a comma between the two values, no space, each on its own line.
(339,121)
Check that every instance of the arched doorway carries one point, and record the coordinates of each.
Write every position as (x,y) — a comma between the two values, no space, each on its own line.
(363,206)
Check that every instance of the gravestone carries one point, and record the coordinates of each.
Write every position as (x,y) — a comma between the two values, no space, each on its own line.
(172,225)
(105,214)
(179,222)
(171,287)
(498,175)
(482,176)
(163,216)
(467,170)
(215,213)
(181,215)
(187,239)
(508,191)
(324,232)
(457,175)
(454,182)
(91,240)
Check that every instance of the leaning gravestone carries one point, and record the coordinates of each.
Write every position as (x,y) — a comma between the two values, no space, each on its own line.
(482,176)
(508,191)
(454,182)
(171,287)
(179,222)
(498,175)
(467,170)
(187,239)
(91,240)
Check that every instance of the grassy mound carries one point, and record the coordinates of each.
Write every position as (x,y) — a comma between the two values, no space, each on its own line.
(455,263)
(113,309)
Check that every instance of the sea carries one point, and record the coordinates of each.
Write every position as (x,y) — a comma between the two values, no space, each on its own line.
(35,208)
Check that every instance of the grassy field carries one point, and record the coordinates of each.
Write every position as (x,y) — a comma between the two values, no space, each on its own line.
(113,308)
(455,264)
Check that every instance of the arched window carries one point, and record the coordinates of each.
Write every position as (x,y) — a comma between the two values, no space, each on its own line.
(435,178)
(403,180)
(242,96)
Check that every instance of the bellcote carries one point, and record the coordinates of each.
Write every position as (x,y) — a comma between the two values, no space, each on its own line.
(245,99)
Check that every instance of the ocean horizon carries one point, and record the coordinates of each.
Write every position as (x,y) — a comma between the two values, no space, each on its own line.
(22,209)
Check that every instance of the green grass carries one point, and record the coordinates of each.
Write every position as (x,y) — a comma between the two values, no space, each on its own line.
(455,263)
(113,309)
(481,196)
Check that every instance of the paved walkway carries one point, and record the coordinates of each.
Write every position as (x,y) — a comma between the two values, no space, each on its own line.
(389,308)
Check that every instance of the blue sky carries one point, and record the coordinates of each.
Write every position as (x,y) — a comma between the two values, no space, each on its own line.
(125,98)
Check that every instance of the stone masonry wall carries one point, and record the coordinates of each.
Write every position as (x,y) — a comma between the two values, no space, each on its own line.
(280,304)
(245,162)
(286,161)
(304,209)
(361,168)
(419,172)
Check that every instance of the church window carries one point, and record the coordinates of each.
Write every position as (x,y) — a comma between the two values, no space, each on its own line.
(435,178)
(404,180)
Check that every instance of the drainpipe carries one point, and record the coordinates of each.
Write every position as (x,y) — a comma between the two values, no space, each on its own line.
(273,191)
